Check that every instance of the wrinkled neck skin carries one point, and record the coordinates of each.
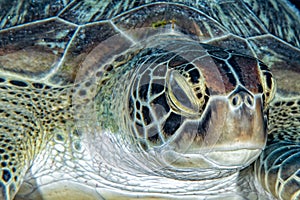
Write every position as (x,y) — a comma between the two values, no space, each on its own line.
(140,172)
(137,174)
(106,169)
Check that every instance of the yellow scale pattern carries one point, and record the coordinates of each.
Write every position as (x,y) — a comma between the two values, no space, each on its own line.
(29,112)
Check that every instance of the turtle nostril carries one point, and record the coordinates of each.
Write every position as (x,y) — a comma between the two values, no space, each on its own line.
(249,101)
(242,97)
(236,100)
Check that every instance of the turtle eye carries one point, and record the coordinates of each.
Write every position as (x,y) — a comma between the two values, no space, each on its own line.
(185,96)
(268,83)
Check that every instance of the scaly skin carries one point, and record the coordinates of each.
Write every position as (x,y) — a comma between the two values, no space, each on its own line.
(74,127)
(83,143)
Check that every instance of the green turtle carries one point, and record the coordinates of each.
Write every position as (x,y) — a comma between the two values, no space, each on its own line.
(152,100)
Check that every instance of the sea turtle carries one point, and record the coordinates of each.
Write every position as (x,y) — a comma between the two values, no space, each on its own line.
(155,100)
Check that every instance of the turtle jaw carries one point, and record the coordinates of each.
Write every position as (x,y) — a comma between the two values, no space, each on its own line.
(230,134)
(216,159)
(232,158)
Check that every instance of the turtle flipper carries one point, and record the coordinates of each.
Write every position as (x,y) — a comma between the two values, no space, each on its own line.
(278,168)
(13,152)
(20,135)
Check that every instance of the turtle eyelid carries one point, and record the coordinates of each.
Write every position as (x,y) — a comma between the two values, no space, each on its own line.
(180,93)
(182,96)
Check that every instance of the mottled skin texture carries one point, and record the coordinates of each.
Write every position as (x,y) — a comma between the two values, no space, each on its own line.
(119,100)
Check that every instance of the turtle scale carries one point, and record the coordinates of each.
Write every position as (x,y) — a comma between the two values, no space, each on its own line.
(251,44)
(64,45)
(49,44)
(15,12)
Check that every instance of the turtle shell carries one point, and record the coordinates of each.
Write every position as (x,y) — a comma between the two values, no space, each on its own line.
(53,40)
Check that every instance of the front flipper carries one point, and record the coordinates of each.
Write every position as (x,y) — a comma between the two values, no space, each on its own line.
(278,168)
(15,148)
(20,135)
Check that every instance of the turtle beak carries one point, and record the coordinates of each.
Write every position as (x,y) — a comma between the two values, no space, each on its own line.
(241,122)
(231,132)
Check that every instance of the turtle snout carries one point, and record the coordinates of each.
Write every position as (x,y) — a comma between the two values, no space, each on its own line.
(241,97)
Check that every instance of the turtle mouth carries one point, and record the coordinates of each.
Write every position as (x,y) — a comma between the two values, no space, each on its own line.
(218,159)
(233,158)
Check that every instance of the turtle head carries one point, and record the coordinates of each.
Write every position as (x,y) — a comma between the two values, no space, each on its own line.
(197,106)
(230,133)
